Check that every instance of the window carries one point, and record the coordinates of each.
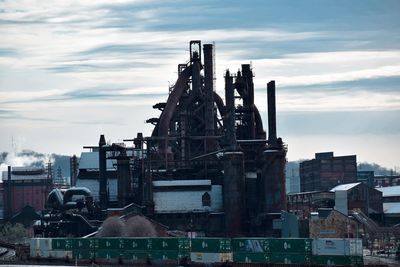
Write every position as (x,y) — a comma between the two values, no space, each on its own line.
(206,199)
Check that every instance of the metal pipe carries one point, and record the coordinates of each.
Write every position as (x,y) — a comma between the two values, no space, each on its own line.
(102,173)
(233,192)
(230,111)
(9,195)
(272,139)
(209,88)
(248,99)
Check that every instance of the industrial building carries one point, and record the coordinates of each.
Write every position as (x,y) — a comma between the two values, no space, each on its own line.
(386,180)
(373,180)
(208,165)
(366,177)
(326,171)
(330,223)
(344,198)
(88,174)
(391,204)
(358,196)
(25,186)
(304,203)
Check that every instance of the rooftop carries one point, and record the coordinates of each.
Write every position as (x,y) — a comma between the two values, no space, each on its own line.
(393,207)
(25,173)
(344,187)
(390,191)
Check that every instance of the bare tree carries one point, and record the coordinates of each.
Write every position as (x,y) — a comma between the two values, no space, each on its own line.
(12,233)
(138,226)
(112,227)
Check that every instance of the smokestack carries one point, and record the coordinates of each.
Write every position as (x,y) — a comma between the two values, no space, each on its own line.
(272,139)
(9,193)
(248,101)
(209,88)
(230,111)
(195,58)
(102,173)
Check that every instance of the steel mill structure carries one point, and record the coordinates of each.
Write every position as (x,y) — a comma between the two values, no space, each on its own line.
(215,151)
(207,166)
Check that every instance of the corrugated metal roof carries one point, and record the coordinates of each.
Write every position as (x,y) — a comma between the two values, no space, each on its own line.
(27,169)
(181,183)
(391,208)
(185,201)
(344,187)
(90,160)
(93,186)
(24,176)
(390,191)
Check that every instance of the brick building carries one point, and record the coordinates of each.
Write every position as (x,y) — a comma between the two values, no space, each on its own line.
(25,186)
(331,223)
(326,171)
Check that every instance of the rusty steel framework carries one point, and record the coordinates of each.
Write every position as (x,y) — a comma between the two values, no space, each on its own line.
(198,136)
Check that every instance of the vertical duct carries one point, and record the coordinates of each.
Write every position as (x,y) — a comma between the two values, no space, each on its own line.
(195,58)
(102,173)
(124,180)
(273,191)
(183,140)
(73,164)
(233,183)
(209,88)
(272,140)
(230,111)
(9,193)
(248,99)
(233,192)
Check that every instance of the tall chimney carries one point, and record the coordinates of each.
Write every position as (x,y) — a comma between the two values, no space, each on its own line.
(9,193)
(230,111)
(209,88)
(102,173)
(272,139)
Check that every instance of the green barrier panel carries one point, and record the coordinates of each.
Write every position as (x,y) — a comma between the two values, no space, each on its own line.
(290,258)
(335,260)
(211,245)
(244,257)
(62,243)
(253,245)
(83,254)
(289,245)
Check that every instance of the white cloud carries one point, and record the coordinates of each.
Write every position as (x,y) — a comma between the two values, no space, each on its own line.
(338,101)
(61,47)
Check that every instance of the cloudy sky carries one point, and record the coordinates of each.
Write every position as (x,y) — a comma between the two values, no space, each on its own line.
(71,70)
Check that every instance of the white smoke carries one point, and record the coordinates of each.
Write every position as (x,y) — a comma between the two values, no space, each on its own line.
(24,158)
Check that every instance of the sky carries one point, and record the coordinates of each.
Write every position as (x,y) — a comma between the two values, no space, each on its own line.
(72,70)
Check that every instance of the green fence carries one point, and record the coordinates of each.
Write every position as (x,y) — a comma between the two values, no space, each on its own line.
(241,250)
